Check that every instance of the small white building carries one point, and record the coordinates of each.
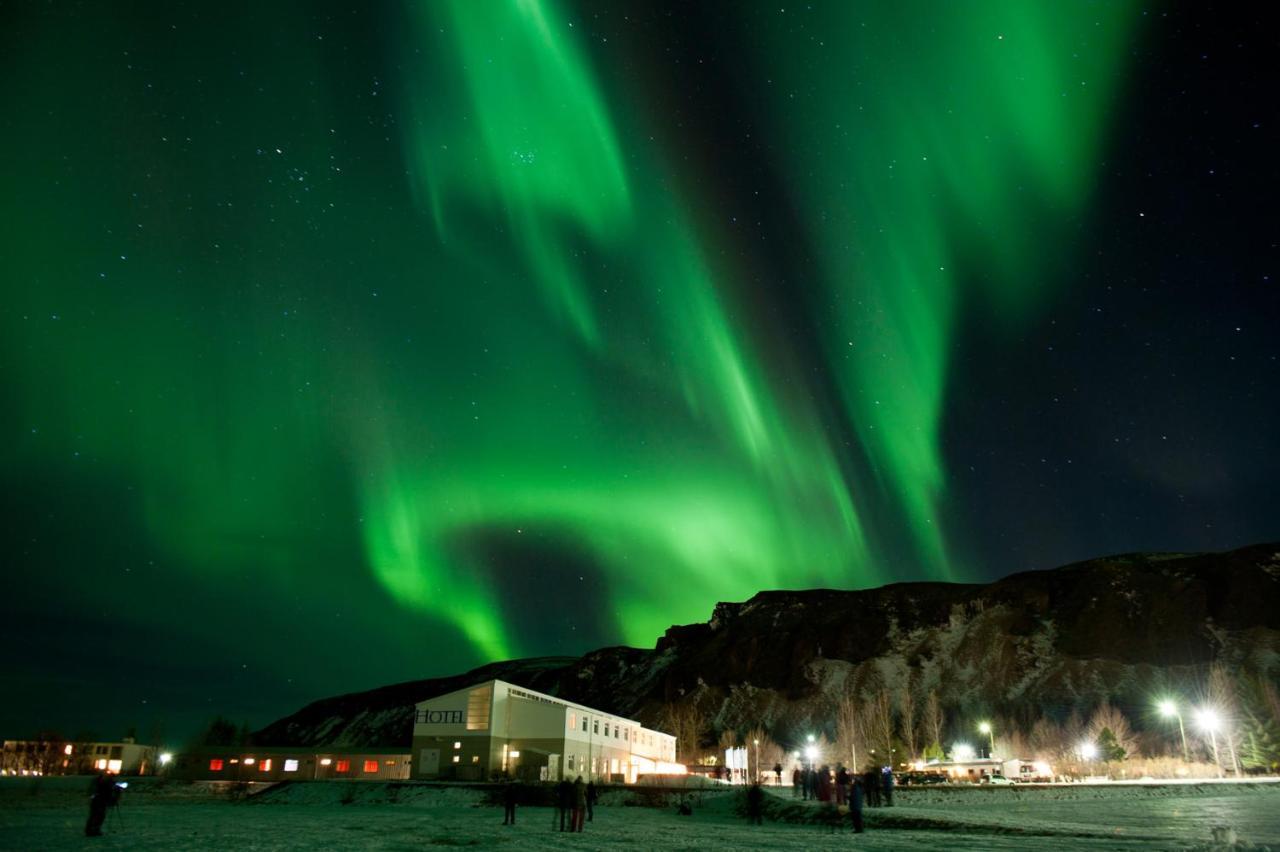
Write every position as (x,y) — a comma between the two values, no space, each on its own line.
(64,757)
(496,728)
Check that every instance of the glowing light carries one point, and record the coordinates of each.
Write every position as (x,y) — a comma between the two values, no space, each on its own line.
(1208,720)
(962,751)
(1167,708)
(1088,750)
(66,749)
(811,752)
(984,727)
(165,758)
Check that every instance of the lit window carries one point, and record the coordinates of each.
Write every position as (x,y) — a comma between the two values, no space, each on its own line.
(344,766)
(66,749)
(248,761)
(457,759)
(573,722)
(475,758)
(457,745)
(100,763)
(115,765)
(389,762)
(371,766)
(514,753)
(325,761)
(478,704)
(215,765)
(266,765)
(291,766)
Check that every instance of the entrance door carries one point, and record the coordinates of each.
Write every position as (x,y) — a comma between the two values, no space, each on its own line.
(553,767)
(429,761)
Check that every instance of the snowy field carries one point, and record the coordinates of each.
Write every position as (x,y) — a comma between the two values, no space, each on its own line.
(49,814)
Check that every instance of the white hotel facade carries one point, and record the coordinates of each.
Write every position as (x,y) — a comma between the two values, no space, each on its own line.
(496,728)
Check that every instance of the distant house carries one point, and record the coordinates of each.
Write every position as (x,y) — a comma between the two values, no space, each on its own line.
(977,768)
(57,756)
(257,763)
(496,728)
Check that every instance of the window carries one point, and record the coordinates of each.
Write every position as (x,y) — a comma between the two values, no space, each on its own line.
(478,701)
(115,765)
(291,766)
(266,765)
(514,753)
(570,763)
(344,766)
(248,761)
(371,766)
(573,721)
(584,724)
(215,765)
(325,761)
(606,729)
(457,745)
(615,732)
(475,758)
(100,750)
(457,759)
(626,734)
(595,726)
(389,762)
(100,763)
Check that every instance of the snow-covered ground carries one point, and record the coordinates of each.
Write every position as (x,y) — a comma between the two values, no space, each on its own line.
(50,815)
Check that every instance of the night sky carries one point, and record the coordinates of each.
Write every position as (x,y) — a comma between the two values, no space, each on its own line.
(346,344)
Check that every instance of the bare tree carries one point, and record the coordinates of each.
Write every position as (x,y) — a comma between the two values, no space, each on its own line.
(1108,720)
(933,722)
(1222,695)
(878,718)
(851,737)
(685,722)
(907,719)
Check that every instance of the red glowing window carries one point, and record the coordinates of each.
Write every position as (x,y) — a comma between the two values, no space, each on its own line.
(265,765)
(215,765)
(344,766)
(371,766)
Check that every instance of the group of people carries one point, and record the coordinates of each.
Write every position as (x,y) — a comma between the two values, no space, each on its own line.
(840,787)
(576,801)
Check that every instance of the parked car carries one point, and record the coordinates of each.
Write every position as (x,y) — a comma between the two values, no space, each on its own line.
(995,780)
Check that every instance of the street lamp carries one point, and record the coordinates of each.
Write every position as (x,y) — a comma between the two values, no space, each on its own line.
(962,752)
(1170,709)
(757,743)
(1208,720)
(985,728)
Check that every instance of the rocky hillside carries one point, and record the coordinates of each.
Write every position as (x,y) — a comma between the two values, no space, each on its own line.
(1120,628)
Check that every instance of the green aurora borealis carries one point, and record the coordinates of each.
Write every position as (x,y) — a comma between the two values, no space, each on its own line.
(422,316)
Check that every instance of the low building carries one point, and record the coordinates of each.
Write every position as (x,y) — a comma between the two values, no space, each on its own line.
(977,768)
(55,756)
(496,728)
(253,763)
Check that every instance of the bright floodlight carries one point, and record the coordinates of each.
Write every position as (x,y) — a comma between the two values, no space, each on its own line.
(811,738)
(962,751)
(985,727)
(1208,719)
(165,758)
(811,752)
(1167,708)
(1088,751)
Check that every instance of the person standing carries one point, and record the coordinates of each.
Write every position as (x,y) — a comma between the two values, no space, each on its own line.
(777,771)
(797,782)
(591,801)
(579,804)
(510,796)
(564,799)
(887,782)
(871,786)
(755,804)
(102,794)
(842,785)
(855,804)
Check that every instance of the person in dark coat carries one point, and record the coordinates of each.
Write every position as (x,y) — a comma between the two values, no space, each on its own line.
(871,786)
(842,785)
(579,804)
(102,795)
(777,771)
(510,796)
(564,799)
(855,804)
(755,805)
(886,781)
(591,800)
(797,782)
